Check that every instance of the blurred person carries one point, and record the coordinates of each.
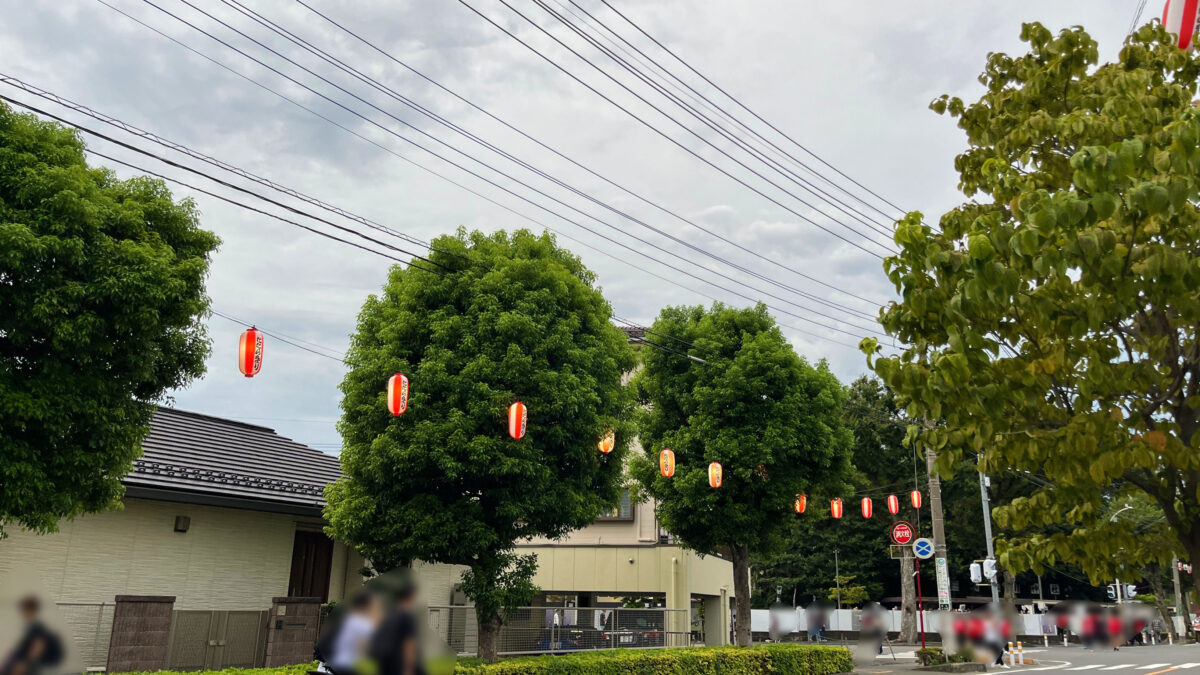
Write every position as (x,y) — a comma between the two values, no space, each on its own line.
(993,638)
(354,634)
(39,650)
(1116,630)
(871,626)
(395,647)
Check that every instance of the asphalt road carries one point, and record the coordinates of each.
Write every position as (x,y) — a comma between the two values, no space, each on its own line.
(1149,660)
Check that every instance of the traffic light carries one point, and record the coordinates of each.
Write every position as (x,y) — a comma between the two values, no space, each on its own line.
(1112,591)
(976,573)
(989,569)
(1130,591)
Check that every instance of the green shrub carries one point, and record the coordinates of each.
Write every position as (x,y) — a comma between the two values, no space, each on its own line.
(766,659)
(931,656)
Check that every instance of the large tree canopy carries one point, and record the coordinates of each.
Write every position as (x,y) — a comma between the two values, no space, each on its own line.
(496,319)
(101,292)
(768,417)
(1052,320)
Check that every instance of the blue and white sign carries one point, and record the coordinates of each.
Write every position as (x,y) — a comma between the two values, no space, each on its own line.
(923,548)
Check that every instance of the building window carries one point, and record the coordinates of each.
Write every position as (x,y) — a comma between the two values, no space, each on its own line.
(623,511)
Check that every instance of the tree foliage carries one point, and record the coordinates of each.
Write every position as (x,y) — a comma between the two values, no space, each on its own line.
(101,292)
(501,318)
(1051,321)
(770,419)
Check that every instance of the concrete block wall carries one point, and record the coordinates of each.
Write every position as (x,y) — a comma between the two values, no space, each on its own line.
(292,630)
(141,633)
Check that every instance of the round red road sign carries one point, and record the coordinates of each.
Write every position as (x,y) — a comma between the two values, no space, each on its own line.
(902,533)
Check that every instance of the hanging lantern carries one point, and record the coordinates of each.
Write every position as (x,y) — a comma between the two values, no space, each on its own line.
(666,463)
(607,442)
(893,504)
(517,417)
(916,499)
(835,507)
(867,507)
(762,473)
(397,393)
(250,350)
(801,503)
(1179,18)
(714,475)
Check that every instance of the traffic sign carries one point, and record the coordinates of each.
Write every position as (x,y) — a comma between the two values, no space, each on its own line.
(923,548)
(902,533)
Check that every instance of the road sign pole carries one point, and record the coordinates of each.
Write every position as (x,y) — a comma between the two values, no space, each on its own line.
(920,605)
(939,528)
(987,531)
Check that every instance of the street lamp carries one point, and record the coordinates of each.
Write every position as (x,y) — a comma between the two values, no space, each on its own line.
(1117,586)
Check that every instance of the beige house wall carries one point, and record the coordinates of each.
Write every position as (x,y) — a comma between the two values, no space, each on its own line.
(229,559)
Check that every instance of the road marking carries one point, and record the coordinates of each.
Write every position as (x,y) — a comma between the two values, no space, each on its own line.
(1158,672)
(1094,665)
(1123,665)
(1188,665)
(1153,665)
(1056,665)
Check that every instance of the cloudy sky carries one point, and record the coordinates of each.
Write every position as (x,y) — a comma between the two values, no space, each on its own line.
(851,81)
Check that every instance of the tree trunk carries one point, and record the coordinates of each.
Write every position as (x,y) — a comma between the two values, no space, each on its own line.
(908,602)
(1009,601)
(741,591)
(489,630)
(1154,574)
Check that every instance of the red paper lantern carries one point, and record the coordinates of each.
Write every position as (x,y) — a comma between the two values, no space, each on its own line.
(517,417)
(916,499)
(835,507)
(801,503)
(666,463)
(893,504)
(1179,18)
(714,475)
(607,442)
(867,507)
(397,393)
(250,352)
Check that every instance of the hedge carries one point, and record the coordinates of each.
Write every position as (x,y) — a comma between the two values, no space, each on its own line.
(766,659)
(783,659)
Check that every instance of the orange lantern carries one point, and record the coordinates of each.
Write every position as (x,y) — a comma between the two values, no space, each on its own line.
(250,352)
(916,499)
(867,507)
(801,503)
(893,504)
(397,393)
(517,417)
(835,507)
(666,463)
(607,442)
(714,474)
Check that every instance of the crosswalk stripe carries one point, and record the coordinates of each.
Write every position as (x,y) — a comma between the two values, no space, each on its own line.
(1094,665)
(1123,665)
(1189,665)
(1153,666)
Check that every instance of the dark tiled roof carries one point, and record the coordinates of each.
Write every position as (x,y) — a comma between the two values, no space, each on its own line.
(197,453)
(633,332)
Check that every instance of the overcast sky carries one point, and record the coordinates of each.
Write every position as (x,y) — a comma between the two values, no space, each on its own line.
(851,81)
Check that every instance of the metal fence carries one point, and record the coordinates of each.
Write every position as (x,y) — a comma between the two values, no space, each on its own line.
(558,630)
(90,628)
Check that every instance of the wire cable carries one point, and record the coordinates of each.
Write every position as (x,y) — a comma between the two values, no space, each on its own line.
(579,165)
(450,125)
(484,178)
(787,173)
(756,116)
(667,136)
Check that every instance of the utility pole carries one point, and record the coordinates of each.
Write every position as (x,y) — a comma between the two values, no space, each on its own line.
(939,531)
(1178,595)
(987,531)
(837,579)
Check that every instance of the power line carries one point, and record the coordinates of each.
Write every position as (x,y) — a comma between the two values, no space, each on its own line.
(572,161)
(485,179)
(1137,14)
(667,136)
(505,207)
(716,126)
(758,117)
(282,338)
(328,58)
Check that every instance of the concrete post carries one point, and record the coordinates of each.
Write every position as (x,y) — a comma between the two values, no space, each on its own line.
(141,633)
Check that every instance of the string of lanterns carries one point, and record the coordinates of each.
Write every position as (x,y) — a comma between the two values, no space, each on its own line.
(250,355)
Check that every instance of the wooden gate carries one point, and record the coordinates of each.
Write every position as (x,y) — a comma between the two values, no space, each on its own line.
(214,640)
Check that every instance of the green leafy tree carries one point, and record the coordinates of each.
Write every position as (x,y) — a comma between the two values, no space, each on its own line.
(501,318)
(1051,321)
(768,417)
(101,295)
(846,593)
